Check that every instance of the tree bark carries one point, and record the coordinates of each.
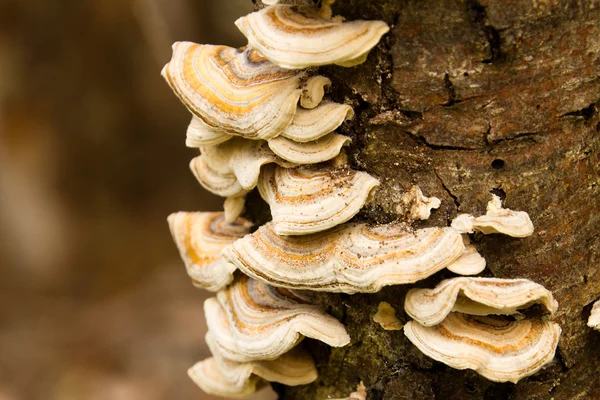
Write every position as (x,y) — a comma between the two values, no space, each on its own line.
(467,98)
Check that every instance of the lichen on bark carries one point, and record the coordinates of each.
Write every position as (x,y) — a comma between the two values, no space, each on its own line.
(467,98)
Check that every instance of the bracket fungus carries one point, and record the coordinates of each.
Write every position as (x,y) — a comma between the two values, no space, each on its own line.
(211,379)
(251,320)
(350,258)
(476,296)
(237,91)
(309,125)
(313,91)
(317,151)
(496,220)
(306,200)
(470,261)
(303,36)
(386,317)
(594,319)
(231,169)
(200,237)
(360,394)
(223,377)
(416,205)
(498,349)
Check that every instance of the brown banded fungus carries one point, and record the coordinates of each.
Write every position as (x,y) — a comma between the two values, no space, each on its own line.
(498,349)
(251,321)
(200,237)
(304,36)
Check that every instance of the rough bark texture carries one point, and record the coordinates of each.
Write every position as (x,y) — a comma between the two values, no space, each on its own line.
(468,98)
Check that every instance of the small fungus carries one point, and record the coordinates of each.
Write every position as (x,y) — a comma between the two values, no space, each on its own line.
(496,220)
(313,91)
(211,379)
(231,169)
(349,258)
(317,151)
(200,237)
(386,317)
(235,379)
(306,200)
(476,296)
(360,394)
(416,205)
(304,36)
(498,349)
(309,125)
(252,321)
(594,319)
(470,262)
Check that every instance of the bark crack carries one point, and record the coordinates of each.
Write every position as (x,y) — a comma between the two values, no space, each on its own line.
(454,198)
(492,35)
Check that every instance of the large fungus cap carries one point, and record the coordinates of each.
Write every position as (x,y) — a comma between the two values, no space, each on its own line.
(251,320)
(233,90)
(303,36)
(200,237)
(350,258)
(476,296)
(498,349)
(306,200)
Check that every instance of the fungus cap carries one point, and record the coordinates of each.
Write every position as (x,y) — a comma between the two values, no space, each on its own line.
(306,200)
(496,220)
(303,36)
(497,349)
(237,91)
(200,237)
(349,258)
(476,296)
(251,320)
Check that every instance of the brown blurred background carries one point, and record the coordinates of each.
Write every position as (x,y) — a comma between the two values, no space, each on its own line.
(94,300)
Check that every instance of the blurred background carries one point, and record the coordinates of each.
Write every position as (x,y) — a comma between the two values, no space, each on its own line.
(94,300)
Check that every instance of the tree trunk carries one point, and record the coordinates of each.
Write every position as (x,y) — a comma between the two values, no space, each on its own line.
(467,98)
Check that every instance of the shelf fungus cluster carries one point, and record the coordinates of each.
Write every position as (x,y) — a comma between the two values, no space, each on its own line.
(257,105)
(459,323)
(261,119)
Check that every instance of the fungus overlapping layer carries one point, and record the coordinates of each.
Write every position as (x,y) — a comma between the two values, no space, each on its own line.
(251,320)
(476,296)
(303,36)
(231,169)
(306,200)
(498,349)
(349,258)
(594,319)
(210,378)
(222,377)
(496,220)
(200,237)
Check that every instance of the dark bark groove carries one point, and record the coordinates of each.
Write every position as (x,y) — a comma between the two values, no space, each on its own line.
(468,98)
